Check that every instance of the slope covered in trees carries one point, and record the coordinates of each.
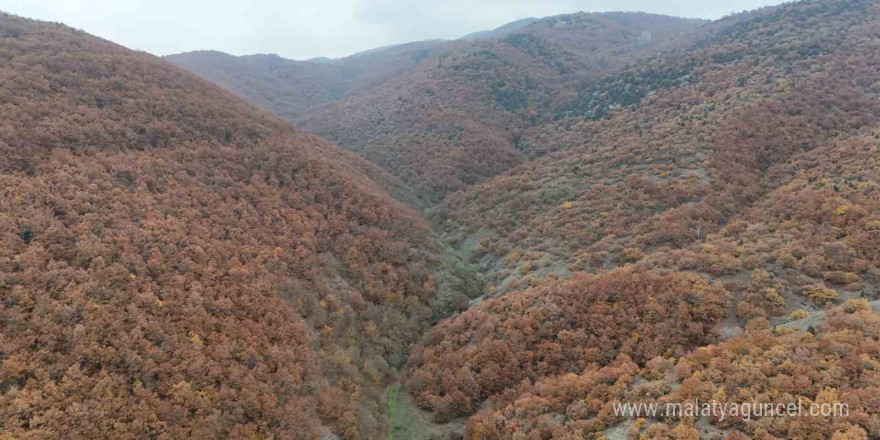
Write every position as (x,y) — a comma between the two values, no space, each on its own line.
(561,326)
(836,366)
(750,160)
(663,210)
(291,88)
(454,118)
(178,264)
(687,159)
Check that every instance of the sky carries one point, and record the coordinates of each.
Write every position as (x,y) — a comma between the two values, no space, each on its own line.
(302,29)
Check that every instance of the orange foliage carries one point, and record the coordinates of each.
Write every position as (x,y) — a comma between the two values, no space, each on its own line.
(176,264)
(557,327)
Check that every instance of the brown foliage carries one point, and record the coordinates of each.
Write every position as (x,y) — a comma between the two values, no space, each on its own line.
(560,327)
(838,365)
(444,115)
(176,264)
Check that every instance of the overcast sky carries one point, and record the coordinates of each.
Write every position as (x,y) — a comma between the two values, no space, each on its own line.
(301,29)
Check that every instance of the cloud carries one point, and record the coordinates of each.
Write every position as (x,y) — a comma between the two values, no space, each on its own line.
(303,29)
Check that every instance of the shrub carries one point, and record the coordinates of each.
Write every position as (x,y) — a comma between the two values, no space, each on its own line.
(820,294)
(799,314)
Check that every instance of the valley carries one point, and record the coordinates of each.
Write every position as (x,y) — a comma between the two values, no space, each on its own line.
(501,236)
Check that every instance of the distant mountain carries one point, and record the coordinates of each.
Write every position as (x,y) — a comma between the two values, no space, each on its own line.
(606,37)
(291,88)
(444,115)
(456,119)
(393,48)
(501,30)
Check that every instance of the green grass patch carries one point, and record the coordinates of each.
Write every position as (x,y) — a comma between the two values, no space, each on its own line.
(398,426)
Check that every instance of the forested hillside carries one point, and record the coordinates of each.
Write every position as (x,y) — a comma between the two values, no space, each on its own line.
(178,264)
(836,366)
(292,88)
(454,117)
(693,158)
(749,164)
